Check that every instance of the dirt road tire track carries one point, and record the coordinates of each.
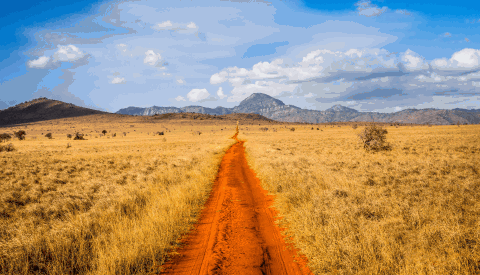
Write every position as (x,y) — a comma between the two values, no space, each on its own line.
(236,233)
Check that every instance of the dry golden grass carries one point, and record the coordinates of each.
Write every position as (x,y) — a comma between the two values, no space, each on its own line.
(412,210)
(105,205)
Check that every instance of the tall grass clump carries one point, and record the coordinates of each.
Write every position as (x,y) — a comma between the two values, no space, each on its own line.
(5,137)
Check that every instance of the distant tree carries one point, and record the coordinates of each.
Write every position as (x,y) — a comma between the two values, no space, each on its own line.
(354,126)
(292,129)
(69,135)
(104,132)
(49,135)
(5,137)
(20,134)
(78,136)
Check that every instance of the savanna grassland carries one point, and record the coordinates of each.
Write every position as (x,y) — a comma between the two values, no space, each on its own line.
(114,203)
(414,209)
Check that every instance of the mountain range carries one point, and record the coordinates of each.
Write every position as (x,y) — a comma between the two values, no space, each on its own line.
(275,109)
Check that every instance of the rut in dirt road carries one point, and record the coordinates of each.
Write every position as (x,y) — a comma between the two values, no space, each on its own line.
(236,233)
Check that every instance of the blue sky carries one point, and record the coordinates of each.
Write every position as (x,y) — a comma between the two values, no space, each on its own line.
(368,55)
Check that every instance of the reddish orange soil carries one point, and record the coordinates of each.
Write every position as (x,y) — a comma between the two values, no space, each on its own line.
(236,233)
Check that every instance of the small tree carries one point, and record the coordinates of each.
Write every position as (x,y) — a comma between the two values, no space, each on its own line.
(20,134)
(374,138)
(104,132)
(69,135)
(354,126)
(49,135)
(292,129)
(5,137)
(78,136)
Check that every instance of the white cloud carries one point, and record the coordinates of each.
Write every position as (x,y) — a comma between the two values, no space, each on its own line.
(366,8)
(447,34)
(467,40)
(197,94)
(466,59)
(180,81)
(68,54)
(166,25)
(178,27)
(153,59)
(192,26)
(41,62)
(220,93)
(413,61)
(118,80)
(180,98)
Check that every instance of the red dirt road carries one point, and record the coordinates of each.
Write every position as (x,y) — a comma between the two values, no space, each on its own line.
(236,233)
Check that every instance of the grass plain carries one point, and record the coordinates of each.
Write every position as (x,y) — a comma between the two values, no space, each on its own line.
(412,210)
(118,205)
(105,205)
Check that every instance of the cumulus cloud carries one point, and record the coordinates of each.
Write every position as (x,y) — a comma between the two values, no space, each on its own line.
(366,8)
(197,95)
(177,27)
(466,59)
(153,59)
(164,25)
(319,65)
(41,62)
(339,75)
(180,98)
(220,93)
(118,80)
(68,54)
(413,62)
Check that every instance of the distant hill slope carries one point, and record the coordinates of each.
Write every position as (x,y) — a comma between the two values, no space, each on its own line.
(275,109)
(42,109)
(263,105)
(198,116)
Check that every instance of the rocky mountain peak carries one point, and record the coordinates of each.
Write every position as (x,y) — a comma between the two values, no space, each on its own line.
(340,108)
(257,101)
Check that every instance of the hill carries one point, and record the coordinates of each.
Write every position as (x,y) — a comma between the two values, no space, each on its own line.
(41,109)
